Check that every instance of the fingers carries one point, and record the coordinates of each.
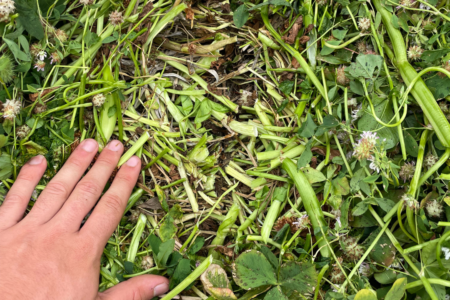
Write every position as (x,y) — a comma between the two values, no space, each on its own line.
(89,189)
(17,199)
(109,210)
(60,187)
(143,287)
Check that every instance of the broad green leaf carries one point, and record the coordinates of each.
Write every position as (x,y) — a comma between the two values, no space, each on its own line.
(385,113)
(18,54)
(165,249)
(365,66)
(412,148)
(366,295)
(328,123)
(305,158)
(394,21)
(275,294)
(339,34)
(308,127)
(240,16)
(384,251)
(197,245)
(371,178)
(385,204)
(287,86)
(360,209)
(398,290)
(154,243)
(187,104)
(253,270)
(386,277)
(29,17)
(167,229)
(91,38)
(439,86)
(6,166)
(297,277)
(216,283)
(433,55)
(272,2)
(341,186)
(313,175)
(182,271)
(270,257)
(203,113)
(3,140)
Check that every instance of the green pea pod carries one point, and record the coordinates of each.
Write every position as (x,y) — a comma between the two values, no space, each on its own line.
(279,196)
(309,200)
(107,119)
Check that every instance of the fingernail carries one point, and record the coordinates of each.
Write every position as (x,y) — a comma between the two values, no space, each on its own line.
(160,289)
(133,162)
(36,160)
(89,145)
(115,146)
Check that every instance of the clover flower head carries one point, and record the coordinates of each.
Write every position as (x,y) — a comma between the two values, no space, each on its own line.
(363,149)
(11,108)
(41,55)
(39,65)
(364,24)
(55,58)
(446,252)
(415,52)
(302,222)
(407,171)
(410,201)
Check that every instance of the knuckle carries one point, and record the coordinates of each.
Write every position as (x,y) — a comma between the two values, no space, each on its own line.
(113,203)
(13,199)
(89,187)
(76,161)
(125,178)
(26,177)
(56,188)
(108,159)
(138,295)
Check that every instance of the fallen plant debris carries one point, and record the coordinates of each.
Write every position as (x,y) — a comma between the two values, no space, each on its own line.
(290,149)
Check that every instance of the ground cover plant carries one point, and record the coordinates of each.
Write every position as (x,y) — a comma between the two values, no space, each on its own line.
(290,149)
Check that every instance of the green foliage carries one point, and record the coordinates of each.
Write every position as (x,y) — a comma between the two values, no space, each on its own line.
(240,16)
(254,270)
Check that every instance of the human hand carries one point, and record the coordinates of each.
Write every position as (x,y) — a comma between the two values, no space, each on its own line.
(46,255)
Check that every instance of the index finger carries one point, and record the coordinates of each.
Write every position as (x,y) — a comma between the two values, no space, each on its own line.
(109,210)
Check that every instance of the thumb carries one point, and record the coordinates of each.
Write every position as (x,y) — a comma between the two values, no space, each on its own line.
(143,287)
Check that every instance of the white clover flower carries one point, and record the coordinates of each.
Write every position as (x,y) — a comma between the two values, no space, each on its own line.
(6,8)
(86,2)
(373,165)
(39,65)
(447,297)
(410,201)
(55,58)
(355,113)
(363,149)
(302,222)
(335,287)
(424,6)
(11,108)
(42,55)
(446,252)
(364,24)
(98,100)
